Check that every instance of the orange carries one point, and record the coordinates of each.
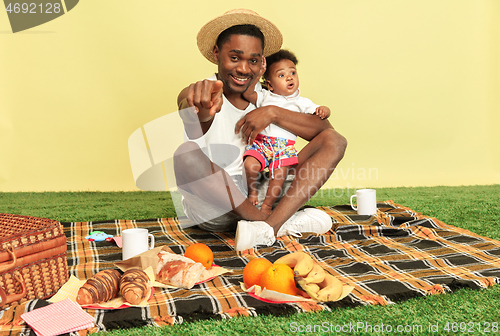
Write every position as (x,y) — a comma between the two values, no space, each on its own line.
(201,253)
(253,271)
(279,278)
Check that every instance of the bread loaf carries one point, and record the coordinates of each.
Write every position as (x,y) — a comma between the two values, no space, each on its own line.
(134,286)
(179,271)
(102,287)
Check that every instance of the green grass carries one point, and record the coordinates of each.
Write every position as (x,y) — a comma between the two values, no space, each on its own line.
(476,208)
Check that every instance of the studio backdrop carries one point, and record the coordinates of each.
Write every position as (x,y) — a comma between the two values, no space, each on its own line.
(413,86)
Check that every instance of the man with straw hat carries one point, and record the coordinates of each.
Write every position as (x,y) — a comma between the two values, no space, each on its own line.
(218,122)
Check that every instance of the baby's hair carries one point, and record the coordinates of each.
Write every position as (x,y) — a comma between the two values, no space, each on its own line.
(279,56)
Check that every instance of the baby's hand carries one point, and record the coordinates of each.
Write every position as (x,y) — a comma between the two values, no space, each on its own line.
(322,111)
(250,94)
(263,67)
(261,72)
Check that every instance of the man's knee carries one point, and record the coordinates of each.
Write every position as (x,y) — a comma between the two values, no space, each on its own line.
(334,142)
(188,158)
(188,147)
(187,154)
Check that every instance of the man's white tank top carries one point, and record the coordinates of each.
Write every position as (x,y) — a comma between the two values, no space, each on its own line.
(220,143)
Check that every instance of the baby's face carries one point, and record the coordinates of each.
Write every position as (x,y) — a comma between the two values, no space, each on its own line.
(283,78)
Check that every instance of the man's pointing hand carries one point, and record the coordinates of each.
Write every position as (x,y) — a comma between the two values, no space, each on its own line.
(206,97)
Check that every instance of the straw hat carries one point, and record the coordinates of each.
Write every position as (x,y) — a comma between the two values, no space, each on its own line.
(208,34)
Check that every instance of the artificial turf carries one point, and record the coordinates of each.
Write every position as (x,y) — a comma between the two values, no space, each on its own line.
(473,312)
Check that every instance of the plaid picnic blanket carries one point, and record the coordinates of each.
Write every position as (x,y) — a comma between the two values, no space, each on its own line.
(396,255)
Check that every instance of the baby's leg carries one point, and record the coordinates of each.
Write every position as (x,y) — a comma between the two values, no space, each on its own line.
(274,189)
(252,169)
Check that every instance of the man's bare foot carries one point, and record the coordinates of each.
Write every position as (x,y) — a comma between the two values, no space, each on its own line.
(266,209)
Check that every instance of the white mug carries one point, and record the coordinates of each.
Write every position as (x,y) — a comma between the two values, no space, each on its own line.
(135,241)
(366,202)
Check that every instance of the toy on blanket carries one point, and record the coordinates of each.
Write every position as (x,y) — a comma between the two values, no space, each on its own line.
(99,236)
(312,278)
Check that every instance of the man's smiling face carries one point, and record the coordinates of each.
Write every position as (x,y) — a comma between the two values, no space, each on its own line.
(239,61)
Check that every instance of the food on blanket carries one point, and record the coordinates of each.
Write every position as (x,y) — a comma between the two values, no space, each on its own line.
(301,262)
(253,271)
(331,289)
(201,253)
(102,287)
(311,277)
(316,275)
(134,286)
(179,271)
(279,278)
(311,289)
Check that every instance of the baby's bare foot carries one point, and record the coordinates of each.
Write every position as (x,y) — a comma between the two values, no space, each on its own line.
(254,199)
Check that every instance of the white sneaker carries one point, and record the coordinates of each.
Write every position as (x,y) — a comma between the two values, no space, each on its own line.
(307,220)
(249,234)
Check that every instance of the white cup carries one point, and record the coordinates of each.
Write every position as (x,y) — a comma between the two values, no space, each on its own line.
(136,241)
(366,202)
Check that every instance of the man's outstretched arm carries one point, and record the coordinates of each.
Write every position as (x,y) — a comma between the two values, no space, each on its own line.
(306,126)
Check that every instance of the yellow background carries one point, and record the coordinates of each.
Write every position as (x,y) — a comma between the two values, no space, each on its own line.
(413,85)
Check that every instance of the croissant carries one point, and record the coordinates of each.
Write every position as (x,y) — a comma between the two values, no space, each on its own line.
(134,286)
(102,287)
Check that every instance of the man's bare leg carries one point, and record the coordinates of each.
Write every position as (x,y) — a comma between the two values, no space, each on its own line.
(274,189)
(316,163)
(317,160)
(252,169)
(192,165)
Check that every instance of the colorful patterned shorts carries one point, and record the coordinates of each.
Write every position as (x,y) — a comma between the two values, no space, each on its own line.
(272,152)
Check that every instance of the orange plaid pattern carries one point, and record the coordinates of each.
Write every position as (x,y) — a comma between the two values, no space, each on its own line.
(395,255)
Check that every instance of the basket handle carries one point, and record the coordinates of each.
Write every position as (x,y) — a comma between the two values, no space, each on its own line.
(5,299)
(10,250)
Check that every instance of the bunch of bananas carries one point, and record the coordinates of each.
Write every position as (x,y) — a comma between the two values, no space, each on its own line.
(312,278)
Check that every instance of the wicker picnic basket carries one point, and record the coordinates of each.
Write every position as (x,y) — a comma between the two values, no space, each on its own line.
(32,258)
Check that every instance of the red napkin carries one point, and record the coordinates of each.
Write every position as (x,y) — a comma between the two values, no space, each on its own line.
(58,318)
(118,240)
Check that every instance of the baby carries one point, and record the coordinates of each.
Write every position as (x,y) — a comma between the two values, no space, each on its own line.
(274,146)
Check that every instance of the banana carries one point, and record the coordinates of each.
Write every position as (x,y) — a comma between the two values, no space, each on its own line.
(316,275)
(331,288)
(311,289)
(312,278)
(300,262)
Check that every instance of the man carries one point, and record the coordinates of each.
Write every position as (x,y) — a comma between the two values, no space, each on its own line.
(213,193)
